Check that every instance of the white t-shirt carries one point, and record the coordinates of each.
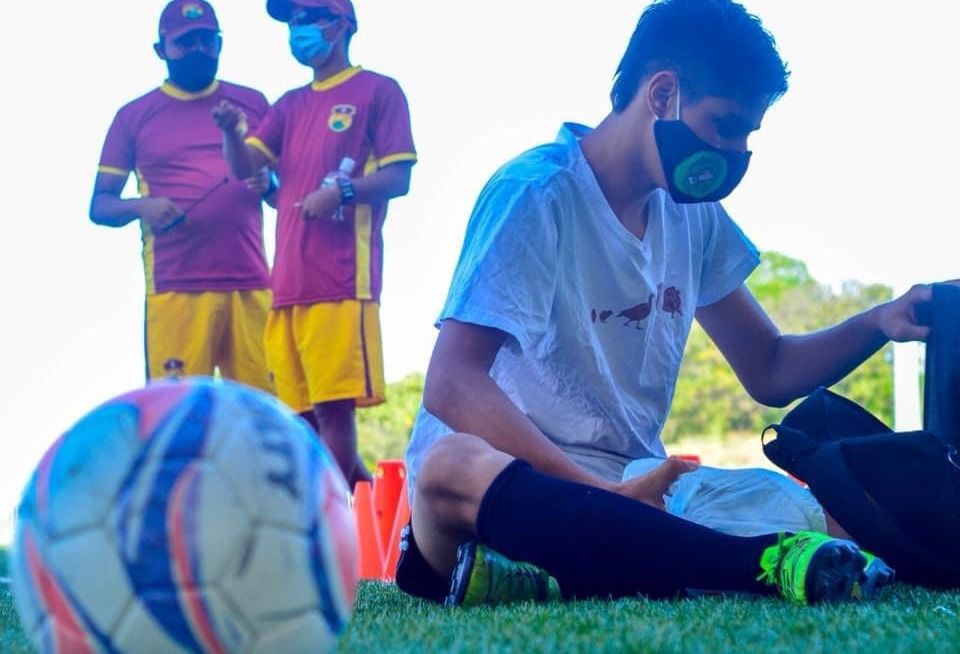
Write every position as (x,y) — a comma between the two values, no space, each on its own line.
(596,318)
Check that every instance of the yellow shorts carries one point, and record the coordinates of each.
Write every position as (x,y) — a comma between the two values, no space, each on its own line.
(209,330)
(326,352)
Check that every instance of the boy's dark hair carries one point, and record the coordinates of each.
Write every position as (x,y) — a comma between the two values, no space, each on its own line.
(715,46)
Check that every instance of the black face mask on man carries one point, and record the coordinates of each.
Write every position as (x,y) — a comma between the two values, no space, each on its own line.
(695,170)
(193,72)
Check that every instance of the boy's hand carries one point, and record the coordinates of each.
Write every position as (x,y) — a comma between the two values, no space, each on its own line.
(230,118)
(322,203)
(651,487)
(900,319)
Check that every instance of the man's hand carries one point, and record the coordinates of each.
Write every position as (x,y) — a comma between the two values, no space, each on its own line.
(651,487)
(322,203)
(230,118)
(260,182)
(160,213)
(899,320)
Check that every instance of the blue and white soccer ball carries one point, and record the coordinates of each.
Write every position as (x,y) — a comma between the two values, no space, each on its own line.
(193,516)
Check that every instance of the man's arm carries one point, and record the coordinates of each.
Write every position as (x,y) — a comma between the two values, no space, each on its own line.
(263,183)
(392,181)
(777,369)
(109,209)
(460,392)
(389,182)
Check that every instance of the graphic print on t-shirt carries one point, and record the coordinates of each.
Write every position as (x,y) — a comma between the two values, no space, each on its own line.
(667,300)
(638,313)
(671,301)
(602,316)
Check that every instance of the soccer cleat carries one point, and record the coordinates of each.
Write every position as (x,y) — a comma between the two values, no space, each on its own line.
(484,577)
(876,574)
(810,567)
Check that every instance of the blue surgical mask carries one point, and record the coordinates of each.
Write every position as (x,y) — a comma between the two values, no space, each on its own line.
(307,43)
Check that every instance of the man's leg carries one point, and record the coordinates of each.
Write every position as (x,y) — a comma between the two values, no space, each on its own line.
(362,473)
(337,426)
(242,355)
(311,418)
(598,544)
(283,361)
(338,347)
(178,334)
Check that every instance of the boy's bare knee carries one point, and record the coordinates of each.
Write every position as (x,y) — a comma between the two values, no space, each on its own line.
(450,487)
(448,464)
(456,474)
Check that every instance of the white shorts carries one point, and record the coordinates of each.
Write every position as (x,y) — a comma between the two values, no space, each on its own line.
(740,502)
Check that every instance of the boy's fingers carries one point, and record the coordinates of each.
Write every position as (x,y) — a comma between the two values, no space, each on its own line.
(914,333)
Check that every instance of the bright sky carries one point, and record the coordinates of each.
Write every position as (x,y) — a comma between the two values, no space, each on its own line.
(852,171)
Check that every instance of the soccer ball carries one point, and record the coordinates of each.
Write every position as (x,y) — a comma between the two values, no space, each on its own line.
(189,516)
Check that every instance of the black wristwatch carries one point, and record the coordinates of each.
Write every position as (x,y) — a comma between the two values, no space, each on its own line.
(347,193)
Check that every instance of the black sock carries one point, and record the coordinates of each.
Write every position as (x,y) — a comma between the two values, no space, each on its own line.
(599,544)
(414,575)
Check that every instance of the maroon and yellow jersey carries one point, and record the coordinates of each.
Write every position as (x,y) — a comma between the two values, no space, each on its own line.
(306,134)
(169,140)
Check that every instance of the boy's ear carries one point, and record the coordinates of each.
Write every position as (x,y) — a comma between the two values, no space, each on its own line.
(661,94)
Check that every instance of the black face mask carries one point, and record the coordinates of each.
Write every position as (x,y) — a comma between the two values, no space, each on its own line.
(194,72)
(695,170)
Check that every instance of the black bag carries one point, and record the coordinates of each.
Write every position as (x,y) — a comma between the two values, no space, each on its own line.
(897,494)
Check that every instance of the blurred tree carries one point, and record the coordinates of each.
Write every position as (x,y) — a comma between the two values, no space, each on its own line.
(383,431)
(776,275)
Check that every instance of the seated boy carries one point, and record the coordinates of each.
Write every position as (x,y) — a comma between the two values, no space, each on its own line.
(584,264)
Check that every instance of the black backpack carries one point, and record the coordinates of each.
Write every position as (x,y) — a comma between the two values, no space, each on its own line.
(897,494)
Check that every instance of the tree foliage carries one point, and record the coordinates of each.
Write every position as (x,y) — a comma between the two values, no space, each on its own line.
(383,431)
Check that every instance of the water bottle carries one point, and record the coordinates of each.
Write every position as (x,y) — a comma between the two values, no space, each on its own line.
(173,368)
(346,168)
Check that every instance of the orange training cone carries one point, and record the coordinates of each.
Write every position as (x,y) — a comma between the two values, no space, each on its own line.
(392,551)
(388,484)
(368,539)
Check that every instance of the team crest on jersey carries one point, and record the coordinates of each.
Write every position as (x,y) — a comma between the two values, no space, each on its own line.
(192,11)
(341,117)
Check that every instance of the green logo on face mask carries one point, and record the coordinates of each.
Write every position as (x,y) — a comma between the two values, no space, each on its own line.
(701,174)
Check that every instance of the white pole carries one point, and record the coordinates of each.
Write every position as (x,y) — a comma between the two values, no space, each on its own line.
(907,402)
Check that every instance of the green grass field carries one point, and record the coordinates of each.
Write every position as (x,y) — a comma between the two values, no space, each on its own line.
(906,620)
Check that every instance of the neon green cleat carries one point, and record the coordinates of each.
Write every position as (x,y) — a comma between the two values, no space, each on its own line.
(876,574)
(810,567)
(484,577)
